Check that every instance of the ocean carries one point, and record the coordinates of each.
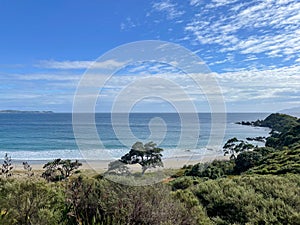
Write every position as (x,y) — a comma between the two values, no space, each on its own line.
(50,136)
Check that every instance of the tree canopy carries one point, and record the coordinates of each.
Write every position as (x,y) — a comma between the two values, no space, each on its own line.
(234,146)
(59,169)
(147,155)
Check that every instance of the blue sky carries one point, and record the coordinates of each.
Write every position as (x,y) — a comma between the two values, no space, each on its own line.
(251,47)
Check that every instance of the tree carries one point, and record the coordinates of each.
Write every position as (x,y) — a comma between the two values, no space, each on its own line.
(118,167)
(234,146)
(247,160)
(59,169)
(148,155)
(7,166)
(28,169)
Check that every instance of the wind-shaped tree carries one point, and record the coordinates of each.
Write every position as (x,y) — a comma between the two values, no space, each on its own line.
(59,169)
(148,155)
(234,146)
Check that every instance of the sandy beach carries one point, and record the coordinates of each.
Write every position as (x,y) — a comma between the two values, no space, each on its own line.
(102,165)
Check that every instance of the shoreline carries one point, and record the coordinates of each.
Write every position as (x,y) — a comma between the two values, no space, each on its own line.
(175,162)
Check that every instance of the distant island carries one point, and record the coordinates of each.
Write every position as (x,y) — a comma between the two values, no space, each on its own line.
(25,112)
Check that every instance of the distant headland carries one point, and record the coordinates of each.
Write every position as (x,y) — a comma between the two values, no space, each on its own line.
(25,112)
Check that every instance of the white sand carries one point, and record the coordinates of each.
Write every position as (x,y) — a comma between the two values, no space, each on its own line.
(102,165)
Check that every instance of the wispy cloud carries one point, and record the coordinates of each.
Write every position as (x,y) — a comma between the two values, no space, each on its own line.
(258,88)
(195,2)
(52,64)
(219,3)
(272,27)
(278,84)
(169,8)
(251,58)
(127,24)
(38,91)
(48,77)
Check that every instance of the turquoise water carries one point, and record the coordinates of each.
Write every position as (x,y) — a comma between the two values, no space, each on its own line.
(49,136)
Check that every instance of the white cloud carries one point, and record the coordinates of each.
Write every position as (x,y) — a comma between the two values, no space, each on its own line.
(48,77)
(52,64)
(195,2)
(219,3)
(247,85)
(243,85)
(251,58)
(253,87)
(218,62)
(169,8)
(272,27)
(127,24)
(269,85)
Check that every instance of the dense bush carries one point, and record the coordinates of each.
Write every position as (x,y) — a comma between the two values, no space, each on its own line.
(92,201)
(279,122)
(264,151)
(246,160)
(251,199)
(192,205)
(183,183)
(279,162)
(289,138)
(289,135)
(29,202)
(83,200)
(213,170)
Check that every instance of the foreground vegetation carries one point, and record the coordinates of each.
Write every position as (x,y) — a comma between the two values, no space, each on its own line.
(256,186)
(251,199)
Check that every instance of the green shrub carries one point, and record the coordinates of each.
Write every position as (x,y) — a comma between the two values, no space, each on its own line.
(252,199)
(246,160)
(264,151)
(30,202)
(279,122)
(192,206)
(213,170)
(92,201)
(279,162)
(182,183)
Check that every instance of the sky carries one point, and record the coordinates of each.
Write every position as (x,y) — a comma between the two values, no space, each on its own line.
(252,49)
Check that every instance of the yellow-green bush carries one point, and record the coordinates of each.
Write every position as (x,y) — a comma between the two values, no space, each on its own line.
(30,202)
(252,199)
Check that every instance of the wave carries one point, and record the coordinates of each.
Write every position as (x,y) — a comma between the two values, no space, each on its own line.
(95,154)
